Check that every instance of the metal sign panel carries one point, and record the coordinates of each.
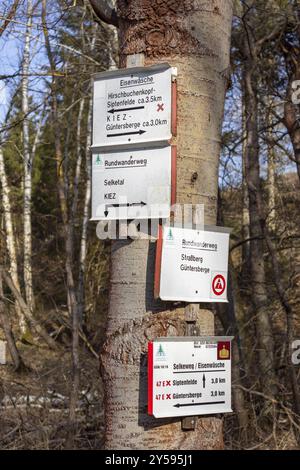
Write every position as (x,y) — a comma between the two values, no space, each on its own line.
(132,106)
(189,376)
(133,184)
(194,265)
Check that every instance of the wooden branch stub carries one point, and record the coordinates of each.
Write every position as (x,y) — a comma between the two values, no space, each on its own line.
(191,313)
(188,423)
(104,12)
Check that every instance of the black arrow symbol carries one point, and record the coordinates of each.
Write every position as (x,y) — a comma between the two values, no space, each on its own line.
(112,111)
(128,204)
(203,379)
(179,405)
(126,133)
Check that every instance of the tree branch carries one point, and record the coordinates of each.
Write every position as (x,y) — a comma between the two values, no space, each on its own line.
(9,17)
(104,12)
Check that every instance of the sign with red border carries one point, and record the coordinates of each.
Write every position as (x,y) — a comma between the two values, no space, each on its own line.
(189,377)
(192,265)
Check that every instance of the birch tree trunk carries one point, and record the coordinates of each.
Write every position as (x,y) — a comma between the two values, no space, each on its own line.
(27,167)
(9,336)
(194,37)
(10,238)
(85,218)
(87,197)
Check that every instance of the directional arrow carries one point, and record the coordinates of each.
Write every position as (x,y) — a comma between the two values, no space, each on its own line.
(112,111)
(203,379)
(179,405)
(129,204)
(126,133)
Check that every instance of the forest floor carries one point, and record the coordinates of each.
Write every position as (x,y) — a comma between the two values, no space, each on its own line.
(34,407)
(34,404)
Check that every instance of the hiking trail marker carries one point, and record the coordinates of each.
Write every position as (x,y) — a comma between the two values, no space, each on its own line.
(135,184)
(192,265)
(133,106)
(189,376)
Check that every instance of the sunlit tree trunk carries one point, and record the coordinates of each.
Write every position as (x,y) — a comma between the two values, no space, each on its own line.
(87,198)
(9,336)
(27,166)
(195,38)
(10,237)
(85,218)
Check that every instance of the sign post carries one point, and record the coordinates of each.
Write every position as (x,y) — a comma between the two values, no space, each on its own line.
(133,106)
(189,376)
(135,184)
(194,264)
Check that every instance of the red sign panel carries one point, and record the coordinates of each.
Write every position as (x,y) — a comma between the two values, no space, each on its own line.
(223,351)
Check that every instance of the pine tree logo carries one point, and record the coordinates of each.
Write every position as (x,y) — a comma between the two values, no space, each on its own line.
(98,160)
(160,355)
(170,235)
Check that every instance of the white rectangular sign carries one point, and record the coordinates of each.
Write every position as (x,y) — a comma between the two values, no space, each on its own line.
(132,106)
(2,352)
(133,184)
(189,376)
(194,265)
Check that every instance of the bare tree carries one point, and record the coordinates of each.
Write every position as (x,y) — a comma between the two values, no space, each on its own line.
(10,15)
(251,49)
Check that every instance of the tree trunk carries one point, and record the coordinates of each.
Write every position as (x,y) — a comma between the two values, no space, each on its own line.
(252,168)
(87,198)
(10,238)
(27,166)
(228,315)
(291,121)
(9,336)
(67,233)
(26,310)
(245,212)
(271,188)
(85,218)
(196,40)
